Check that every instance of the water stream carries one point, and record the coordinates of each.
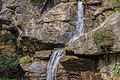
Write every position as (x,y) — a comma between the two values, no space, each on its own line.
(80,23)
(55,57)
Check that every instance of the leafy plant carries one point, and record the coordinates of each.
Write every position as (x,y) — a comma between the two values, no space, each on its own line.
(4,78)
(8,61)
(19,22)
(114,1)
(116,71)
(103,37)
(8,37)
(34,1)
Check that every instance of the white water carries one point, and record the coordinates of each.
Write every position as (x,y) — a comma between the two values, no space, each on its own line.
(80,23)
(55,57)
(53,63)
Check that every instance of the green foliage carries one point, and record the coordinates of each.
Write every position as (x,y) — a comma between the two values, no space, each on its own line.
(114,1)
(103,37)
(116,71)
(34,1)
(3,78)
(8,61)
(19,22)
(8,37)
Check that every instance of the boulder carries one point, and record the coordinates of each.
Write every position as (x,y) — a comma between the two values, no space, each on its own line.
(35,70)
(43,54)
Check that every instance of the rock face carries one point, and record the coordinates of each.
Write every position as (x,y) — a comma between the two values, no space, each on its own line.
(33,29)
(104,38)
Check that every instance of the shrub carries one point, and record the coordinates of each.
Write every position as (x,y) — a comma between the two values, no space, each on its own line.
(103,37)
(114,1)
(4,78)
(116,71)
(8,62)
(34,2)
(8,37)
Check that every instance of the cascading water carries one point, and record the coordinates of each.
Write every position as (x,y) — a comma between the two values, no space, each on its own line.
(80,23)
(52,64)
(55,57)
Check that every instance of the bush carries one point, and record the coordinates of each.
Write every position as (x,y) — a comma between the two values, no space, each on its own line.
(114,1)
(103,37)
(8,62)
(116,71)
(8,37)
(3,78)
(34,1)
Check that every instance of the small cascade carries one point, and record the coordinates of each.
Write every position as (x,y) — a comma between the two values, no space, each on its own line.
(53,63)
(55,57)
(80,23)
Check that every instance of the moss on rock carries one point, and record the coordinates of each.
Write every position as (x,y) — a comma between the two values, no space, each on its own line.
(26,59)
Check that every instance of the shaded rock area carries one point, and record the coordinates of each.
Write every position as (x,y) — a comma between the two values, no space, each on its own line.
(31,30)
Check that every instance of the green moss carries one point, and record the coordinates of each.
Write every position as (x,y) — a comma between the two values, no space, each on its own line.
(103,37)
(26,59)
(116,71)
(8,61)
(19,22)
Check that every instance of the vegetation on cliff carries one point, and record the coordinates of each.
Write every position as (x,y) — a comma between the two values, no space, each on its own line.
(103,38)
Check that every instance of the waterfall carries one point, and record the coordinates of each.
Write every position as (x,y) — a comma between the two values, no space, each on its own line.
(52,64)
(80,23)
(55,57)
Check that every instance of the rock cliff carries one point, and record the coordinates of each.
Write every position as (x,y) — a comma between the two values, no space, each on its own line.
(30,30)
